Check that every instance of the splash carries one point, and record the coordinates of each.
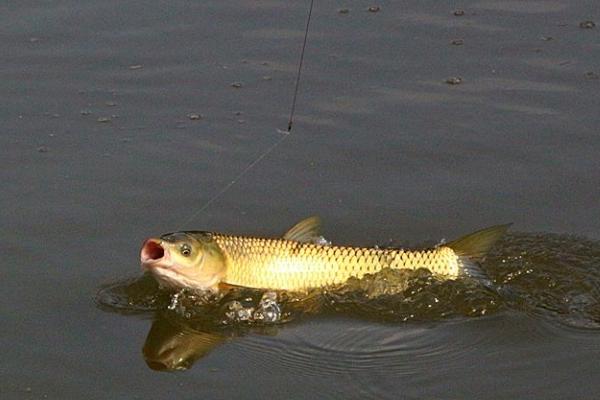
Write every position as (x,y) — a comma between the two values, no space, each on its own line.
(553,276)
(267,310)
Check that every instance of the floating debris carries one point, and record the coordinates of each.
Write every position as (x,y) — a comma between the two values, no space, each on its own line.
(459,13)
(267,78)
(374,9)
(103,119)
(546,38)
(34,39)
(454,80)
(42,149)
(236,85)
(110,104)
(457,42)
(85,112)
(194,117)
(344,11)
(592,75)
(587,24)
(136,66)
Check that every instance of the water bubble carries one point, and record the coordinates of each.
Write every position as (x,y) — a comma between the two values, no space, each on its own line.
(320,240)
(268,309)
(175,300)
(236,312)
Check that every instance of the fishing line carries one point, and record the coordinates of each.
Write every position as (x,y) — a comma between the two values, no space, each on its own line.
(300,67)
(284,134)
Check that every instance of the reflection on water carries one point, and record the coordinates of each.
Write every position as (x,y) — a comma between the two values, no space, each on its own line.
(171,345)
(556,277)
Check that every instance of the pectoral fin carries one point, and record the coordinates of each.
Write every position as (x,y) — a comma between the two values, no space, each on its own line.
(306,231)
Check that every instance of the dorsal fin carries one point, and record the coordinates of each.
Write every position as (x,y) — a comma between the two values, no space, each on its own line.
(306,231)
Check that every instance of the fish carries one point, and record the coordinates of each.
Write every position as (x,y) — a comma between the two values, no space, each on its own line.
(299,261)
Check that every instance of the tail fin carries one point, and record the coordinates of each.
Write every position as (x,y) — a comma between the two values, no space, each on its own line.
(472,249)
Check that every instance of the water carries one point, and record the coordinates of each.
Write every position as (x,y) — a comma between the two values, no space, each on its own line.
(382,148)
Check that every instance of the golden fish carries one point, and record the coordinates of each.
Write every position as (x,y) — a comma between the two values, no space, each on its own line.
(298,261)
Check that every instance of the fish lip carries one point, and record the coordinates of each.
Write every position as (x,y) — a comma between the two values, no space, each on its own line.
(153,254)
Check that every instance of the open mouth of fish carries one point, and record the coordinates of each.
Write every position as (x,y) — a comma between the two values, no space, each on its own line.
(151,252)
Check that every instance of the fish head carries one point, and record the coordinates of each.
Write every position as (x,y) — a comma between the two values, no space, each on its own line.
(184,260)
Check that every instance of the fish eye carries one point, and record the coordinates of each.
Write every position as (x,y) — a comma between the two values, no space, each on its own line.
(185,250)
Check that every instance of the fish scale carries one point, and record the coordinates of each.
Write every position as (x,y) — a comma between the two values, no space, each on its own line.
(296,266)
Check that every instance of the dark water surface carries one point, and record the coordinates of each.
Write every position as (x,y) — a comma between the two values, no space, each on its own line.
(99,152)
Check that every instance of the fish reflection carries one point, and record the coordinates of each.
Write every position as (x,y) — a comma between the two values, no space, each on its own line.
(175,344)
(172,346)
